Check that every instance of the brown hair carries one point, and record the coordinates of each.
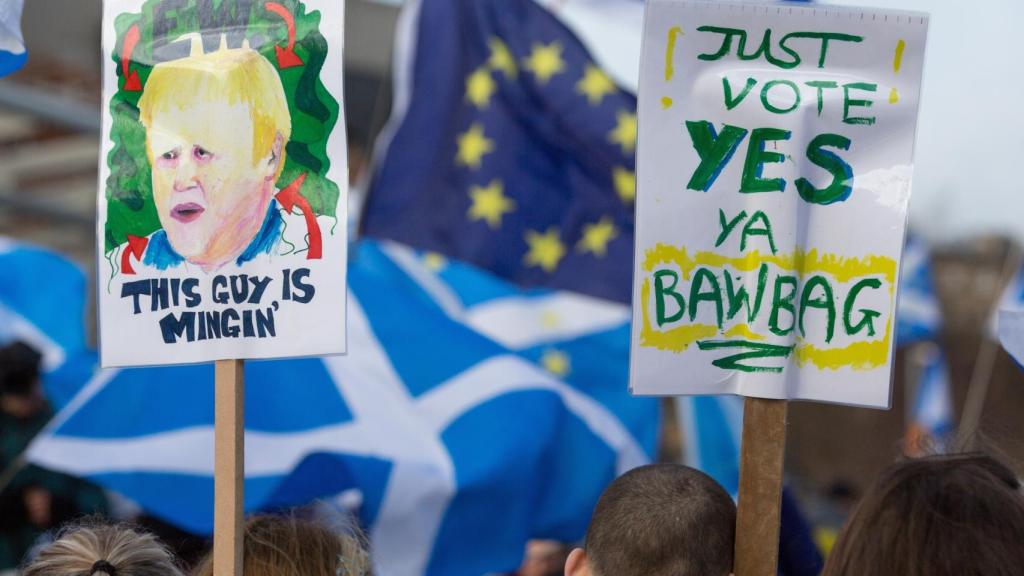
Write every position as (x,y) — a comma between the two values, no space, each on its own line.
(955,515)
(662,520)
(86,548)
(287,546)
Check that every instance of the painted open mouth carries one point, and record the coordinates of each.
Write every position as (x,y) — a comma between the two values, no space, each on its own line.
(187,212)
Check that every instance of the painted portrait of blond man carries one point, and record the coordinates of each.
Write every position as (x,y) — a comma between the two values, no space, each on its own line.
(216,128)
(219,136)
(221,215)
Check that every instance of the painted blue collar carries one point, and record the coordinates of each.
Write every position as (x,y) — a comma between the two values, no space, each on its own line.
(161,255)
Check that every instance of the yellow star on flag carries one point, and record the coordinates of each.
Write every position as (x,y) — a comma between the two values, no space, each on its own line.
(434,261)
(597,236)
(595,85)
(545,61)
(624,133)
(550,319)
(556,362)
(472,146)
(480,87)
(546,250)
(501,58)
(490,203)
(625,183)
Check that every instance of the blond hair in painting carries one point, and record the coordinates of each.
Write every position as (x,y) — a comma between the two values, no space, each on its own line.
(234,76)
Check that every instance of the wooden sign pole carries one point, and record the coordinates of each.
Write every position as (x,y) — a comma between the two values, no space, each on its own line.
(759,514)
(229,468)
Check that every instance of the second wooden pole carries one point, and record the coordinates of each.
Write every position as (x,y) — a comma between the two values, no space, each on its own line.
(759,515)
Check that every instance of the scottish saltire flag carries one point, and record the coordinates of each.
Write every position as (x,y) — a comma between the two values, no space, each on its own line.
(42,303)
(12,45)
(919,319)
(932,415)
(458,446)
(509,147)
(1011,333)
(1007,321)
(918,316)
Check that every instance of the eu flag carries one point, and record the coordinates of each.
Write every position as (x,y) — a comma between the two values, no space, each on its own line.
(508,148)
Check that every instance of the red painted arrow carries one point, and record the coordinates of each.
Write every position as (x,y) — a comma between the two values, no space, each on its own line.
(286,57)
(291,197)
(136,247)
(131,78)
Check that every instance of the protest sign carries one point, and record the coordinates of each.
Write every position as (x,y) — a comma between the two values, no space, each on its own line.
(221,212)
(774,167)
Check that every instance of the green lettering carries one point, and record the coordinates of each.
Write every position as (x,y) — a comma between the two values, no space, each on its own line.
(850,103)
(727,227)
(820,86)
(731,103)
(842,174)
(779,302)
(714,151)
(825,38)
(764,230)
(726,47)
(697,296)
(757,157)
(660,291)
(824,302)
(771,107)
(740,298)
(867,315)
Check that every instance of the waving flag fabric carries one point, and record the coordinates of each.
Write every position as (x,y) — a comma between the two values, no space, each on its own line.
(932,411)
(459,446)
(509,148)
(917,314)
(1007,321)
(12,46)
(42,303)
(919,319)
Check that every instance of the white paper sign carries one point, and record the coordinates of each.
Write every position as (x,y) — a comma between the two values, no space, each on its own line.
(774,167)
(223,179)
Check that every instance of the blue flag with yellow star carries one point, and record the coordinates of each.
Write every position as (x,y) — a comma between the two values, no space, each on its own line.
(509,148)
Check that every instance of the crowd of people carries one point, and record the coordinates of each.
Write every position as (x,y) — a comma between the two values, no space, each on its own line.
(947,515)
(941,515)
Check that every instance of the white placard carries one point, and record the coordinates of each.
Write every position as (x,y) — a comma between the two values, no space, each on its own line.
(774,168)
(223,180)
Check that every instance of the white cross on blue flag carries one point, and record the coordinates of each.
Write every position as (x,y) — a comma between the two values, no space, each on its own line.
(460,445)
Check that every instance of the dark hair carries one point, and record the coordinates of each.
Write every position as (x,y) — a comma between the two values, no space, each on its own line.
(662,520)
(954,515)
(19,368)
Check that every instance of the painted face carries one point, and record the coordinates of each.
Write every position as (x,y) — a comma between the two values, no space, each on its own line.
(210,193)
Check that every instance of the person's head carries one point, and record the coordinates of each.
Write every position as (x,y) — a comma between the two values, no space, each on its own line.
(287,546)
(956,515)
(216,129)
(659,520)
(543,558)
(20,392)
(103,550)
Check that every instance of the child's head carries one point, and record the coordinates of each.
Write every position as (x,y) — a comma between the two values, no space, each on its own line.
(659,520)
(955,515)
(216,128)
(287,546)
(103,550)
